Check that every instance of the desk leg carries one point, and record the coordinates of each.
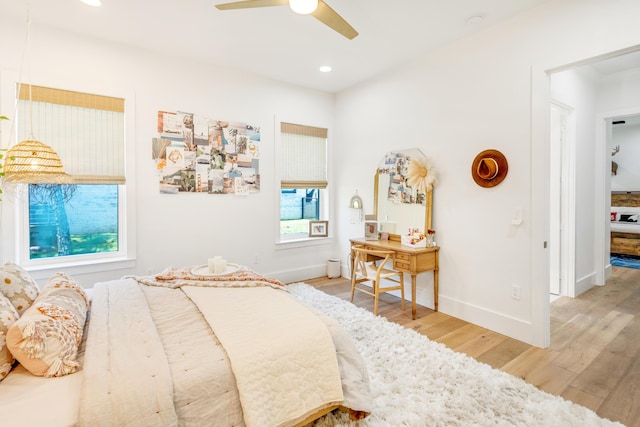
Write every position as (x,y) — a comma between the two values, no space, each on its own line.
(435,289)
(413,296)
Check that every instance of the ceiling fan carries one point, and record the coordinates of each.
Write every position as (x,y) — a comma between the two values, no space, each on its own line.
(317,8)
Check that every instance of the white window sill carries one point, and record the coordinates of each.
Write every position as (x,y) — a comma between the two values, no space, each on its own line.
(43,272)
(303,242)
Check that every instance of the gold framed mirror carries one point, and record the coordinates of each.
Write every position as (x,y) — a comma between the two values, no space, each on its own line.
(403,193)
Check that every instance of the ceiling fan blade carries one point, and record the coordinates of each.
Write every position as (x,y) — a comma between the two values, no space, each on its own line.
(330,17)
(250,4)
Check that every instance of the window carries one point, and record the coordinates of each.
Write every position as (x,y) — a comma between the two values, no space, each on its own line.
(69,220)
(83,220)
(303,178)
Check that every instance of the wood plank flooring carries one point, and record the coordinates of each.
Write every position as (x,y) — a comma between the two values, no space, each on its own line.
(593,359)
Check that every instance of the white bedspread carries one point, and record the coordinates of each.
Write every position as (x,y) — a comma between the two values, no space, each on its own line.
(152,358)
(127,378)
(281,354)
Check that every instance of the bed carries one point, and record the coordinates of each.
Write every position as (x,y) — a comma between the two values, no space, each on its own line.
(186,349)
(625,224)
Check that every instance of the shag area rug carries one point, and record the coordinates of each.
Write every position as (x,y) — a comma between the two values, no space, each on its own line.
(419,382)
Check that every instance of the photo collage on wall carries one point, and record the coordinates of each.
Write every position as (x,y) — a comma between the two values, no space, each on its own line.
(396,165)
(201,155)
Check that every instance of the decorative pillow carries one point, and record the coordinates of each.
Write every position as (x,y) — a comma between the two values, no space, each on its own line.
(18,286)
(46,338)
(8,316)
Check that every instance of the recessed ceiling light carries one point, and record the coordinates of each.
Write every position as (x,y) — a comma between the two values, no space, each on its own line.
(95,3)
(474,19)
(325,68)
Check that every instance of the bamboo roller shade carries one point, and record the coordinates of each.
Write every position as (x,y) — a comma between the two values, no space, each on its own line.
(70,98)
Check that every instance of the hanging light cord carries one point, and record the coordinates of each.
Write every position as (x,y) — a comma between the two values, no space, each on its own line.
(28,54)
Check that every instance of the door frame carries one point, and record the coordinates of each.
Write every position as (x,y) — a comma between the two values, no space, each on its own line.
(562,205)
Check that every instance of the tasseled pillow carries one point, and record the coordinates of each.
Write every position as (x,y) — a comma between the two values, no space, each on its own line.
(46,338)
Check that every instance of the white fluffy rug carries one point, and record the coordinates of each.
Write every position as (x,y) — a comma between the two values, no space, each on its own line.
(418,382)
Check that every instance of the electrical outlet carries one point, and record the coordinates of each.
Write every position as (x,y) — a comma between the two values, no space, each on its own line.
(256,259)
(515,291)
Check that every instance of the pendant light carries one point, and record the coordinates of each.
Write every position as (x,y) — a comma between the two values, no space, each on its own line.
(31,161)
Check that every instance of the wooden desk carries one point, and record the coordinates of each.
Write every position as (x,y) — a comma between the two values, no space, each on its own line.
(408,260)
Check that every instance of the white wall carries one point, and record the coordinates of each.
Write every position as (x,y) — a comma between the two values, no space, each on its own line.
(183,229)
(478,93)
(578,90)
(628,158)
(619,94)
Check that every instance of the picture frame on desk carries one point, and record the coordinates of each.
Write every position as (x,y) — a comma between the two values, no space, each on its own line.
(371,230)
(318,228)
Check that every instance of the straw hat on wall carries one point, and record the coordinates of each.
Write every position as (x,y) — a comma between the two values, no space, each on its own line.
(489,168)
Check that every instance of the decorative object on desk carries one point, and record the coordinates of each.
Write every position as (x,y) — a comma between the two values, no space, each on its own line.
(489,168)
(430,238)
(371,230)
(414,238)
(318,228)
(384,235)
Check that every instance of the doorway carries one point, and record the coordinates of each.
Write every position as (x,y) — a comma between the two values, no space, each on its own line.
(591,239)
(562,200)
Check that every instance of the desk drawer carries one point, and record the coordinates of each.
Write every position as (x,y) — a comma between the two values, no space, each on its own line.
(402,265)
(403,257)
(402,262)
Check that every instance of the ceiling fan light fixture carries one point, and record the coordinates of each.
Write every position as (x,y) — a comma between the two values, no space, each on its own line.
(303,7)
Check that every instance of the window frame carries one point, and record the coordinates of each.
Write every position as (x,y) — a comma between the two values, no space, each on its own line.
(14,209)
(325,200)
(321,215)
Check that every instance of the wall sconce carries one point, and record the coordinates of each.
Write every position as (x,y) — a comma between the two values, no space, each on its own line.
(356,209)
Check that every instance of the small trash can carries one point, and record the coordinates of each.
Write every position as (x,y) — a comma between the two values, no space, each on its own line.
(333,268)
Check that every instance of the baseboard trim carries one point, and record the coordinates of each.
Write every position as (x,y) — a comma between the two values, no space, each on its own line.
(498,322)
(585,283)
(299,274)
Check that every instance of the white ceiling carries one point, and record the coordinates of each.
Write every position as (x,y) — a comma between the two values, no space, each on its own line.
(274,41)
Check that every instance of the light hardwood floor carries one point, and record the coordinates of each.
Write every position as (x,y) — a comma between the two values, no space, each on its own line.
(594,357)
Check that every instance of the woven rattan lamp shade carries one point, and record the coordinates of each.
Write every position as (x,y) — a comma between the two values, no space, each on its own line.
(32,162)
